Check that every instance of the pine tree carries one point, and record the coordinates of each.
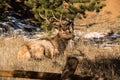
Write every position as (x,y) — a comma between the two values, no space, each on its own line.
(57,13)
(61,13)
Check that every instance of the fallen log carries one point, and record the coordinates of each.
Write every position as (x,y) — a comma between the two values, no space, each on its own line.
(67,74)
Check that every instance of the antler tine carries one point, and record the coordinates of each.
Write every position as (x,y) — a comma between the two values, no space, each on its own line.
(44,17)
(55,17)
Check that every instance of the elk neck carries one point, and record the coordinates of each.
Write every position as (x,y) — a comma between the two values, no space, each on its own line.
(59,43)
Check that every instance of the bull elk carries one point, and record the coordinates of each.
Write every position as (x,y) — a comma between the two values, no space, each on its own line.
(49,47)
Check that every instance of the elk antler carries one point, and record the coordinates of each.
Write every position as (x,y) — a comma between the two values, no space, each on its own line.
(44,17)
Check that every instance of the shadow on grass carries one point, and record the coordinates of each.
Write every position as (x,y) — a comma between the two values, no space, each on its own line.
(101,67)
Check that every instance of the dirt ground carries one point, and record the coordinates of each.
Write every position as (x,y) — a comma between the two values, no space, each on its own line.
(106,19)
(112,7)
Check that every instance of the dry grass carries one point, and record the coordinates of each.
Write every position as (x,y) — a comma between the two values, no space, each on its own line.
(91,51)
(93,61)
(90,63)
(100,61)
(8,49)
(8,59)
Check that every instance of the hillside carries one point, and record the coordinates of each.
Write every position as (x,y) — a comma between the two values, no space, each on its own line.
(106,19)
(112,7)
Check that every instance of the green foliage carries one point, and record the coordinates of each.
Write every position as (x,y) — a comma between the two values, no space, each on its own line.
(4,5)
(52,13)
(3,8)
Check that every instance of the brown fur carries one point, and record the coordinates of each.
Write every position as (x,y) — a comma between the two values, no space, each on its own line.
(37,49)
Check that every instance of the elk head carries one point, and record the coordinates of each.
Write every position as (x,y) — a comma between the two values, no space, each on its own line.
(61,39)
(65,34)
